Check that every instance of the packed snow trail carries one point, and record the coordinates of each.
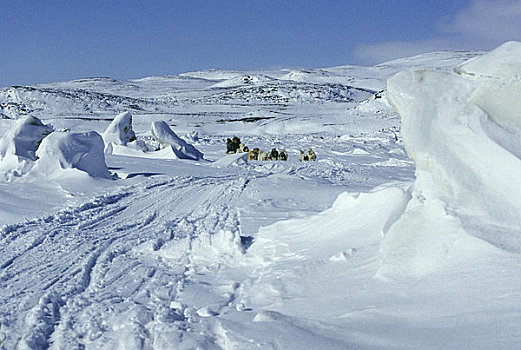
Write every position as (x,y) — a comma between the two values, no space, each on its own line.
(121,259)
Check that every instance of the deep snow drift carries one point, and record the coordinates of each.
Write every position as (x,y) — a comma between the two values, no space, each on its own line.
(162,142)
(360,249)
(463,130)
(63,151)
(23,139)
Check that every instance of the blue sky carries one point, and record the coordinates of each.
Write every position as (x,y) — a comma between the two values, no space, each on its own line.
(45,41)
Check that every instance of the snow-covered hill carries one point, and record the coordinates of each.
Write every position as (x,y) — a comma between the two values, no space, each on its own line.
(391,239)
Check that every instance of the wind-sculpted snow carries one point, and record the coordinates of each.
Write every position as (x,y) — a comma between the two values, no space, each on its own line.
(168,138)
(19,145)
(462,128)
(120,138)
(23,139)
(63,152)
(120,130)
(33,150)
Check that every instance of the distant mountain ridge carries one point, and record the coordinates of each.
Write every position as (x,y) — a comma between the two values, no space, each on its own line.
(163,94)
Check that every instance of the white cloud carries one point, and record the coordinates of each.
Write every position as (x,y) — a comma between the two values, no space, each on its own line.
(492,21)
(483,25)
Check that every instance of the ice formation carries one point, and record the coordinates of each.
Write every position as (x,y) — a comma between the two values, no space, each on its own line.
(18,146)
(119,132)
(462,128)
(23,139)
(168,138)
(61,151)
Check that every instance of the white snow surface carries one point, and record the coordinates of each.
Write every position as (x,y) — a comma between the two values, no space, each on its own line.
(383,242)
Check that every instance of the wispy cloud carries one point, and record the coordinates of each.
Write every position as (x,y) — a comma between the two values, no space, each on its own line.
(488,21)
(483,25)
(385,51)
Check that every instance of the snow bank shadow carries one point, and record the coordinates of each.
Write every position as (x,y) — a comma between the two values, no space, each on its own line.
(129,176)
(246,242)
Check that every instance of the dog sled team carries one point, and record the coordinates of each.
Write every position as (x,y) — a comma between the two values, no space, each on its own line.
(307,156)
(234,145)
(257,154)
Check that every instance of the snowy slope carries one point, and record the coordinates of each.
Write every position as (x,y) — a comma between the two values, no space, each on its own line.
(354,250)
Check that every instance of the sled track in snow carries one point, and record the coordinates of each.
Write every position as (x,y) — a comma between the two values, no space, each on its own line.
(103,256)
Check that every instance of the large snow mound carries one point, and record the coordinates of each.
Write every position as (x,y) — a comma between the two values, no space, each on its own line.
(60,152)
(19,144)
(119,131)
(23,139)
(462,129)
(168,138)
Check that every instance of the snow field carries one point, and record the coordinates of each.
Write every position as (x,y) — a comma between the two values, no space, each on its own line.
(176,221)
(360,249)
